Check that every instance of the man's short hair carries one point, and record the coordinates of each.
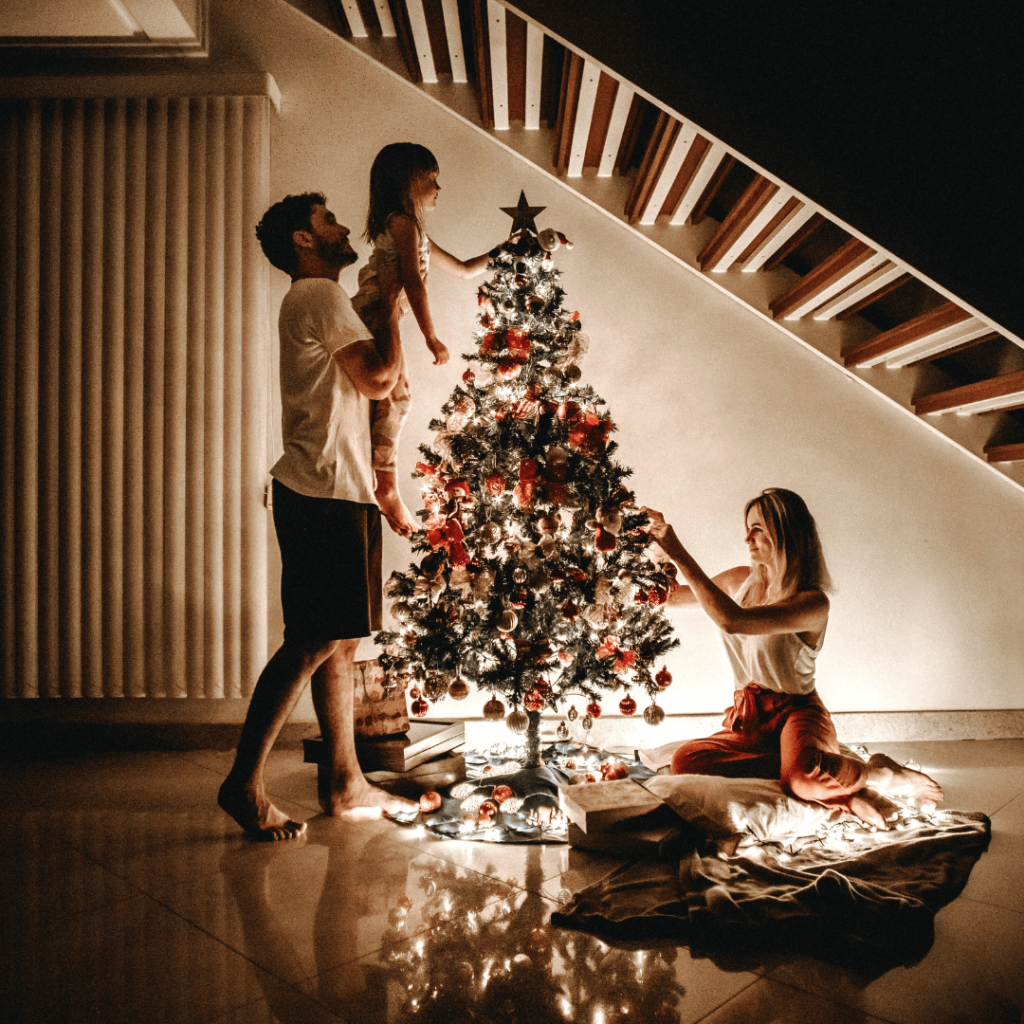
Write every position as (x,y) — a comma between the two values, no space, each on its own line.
(279,224)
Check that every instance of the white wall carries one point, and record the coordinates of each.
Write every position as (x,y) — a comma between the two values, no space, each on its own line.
(712,403)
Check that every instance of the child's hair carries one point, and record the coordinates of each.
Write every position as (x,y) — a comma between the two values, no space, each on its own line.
(394,170)
(280,223)
(799,559)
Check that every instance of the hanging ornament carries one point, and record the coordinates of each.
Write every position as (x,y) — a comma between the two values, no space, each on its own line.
(627,705)
(519,574)
(508,621)
(593,710)
(494,710)
(563,731)
(664,679)
(572,714)
(414,693)
(518,720)
(533,701)
(419,707)
(587,722)
(654,715)
(458,689)
(436,686)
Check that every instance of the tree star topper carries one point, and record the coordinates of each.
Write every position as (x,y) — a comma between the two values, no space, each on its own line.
(523,214)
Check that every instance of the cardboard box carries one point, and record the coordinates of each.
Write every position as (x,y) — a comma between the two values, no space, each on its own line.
(665,841)
(596,806)
(426,740)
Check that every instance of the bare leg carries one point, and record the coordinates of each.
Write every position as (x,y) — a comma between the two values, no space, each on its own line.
(392,507)
(891,777)
(332,698)
(242,794)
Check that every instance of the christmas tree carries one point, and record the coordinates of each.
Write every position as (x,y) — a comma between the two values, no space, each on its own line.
(535,582)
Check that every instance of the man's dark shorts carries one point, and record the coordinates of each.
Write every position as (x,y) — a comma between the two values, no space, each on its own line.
(331,557)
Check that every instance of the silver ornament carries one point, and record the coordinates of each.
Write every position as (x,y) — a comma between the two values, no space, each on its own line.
(654,715)
(562,731)
(572,714)
(587,723)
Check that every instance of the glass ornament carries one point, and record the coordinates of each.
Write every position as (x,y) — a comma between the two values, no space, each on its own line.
(458,689)
(563,731)
(627,705)
(518,720)
(587,723)
(654,715)
(519,574)
(494,710)
(572,714)
(663,678)
(419,707)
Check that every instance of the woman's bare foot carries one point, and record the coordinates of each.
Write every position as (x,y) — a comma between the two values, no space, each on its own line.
(359,798)
(873,809)
(392,507)
(893,778)
(260,819)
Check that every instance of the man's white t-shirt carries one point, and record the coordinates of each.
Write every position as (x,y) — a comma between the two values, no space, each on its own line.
(325,419)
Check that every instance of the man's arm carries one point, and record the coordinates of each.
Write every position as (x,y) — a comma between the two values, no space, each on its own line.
(374,366)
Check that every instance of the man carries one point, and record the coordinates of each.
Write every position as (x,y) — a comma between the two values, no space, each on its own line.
(326,519)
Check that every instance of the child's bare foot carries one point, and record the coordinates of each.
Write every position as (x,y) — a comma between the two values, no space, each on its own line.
(359,798)
(873,809)
(392,507)
(256,814)
(891,777)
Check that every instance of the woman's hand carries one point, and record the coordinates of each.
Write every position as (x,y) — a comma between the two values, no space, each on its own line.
(656,526)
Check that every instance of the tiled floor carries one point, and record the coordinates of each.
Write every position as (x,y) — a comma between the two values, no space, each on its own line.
(129,897)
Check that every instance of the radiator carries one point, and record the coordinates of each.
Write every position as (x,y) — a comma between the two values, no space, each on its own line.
(134,325)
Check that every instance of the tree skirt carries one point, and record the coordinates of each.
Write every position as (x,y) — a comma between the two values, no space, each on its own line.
(503,802)
(863,898)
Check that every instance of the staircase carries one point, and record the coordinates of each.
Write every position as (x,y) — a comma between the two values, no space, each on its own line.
(818,280)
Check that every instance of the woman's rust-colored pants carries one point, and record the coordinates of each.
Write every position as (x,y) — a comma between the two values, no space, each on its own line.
(770,735)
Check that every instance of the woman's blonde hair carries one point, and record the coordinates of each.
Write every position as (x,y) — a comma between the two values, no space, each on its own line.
(395,168)
(799,559)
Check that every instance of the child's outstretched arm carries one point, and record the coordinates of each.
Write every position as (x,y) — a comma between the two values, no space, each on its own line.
(403,230)
(453,266)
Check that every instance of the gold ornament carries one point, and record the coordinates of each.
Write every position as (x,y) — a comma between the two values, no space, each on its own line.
(518,720)
(494,710)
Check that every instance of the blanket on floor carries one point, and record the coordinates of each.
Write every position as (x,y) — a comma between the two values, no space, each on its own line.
(863,898)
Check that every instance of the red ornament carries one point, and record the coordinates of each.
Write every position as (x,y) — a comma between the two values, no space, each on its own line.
(541,685)
(612,770)
(664,679)
(488,809)
(495,484)
(518,342)
(501,794)
(627,705)
(430,801)
(469,376)
(594,709)
(569,611)
(419,707)
(487,343)
(509,369)
(533,701)
(657,596)
(640,597)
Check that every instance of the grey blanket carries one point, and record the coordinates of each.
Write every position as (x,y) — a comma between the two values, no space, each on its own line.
(866,899)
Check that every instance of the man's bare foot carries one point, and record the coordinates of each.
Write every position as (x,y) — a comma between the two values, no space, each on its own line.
(393,508)
(359,798)
(891,777)
(260,819)
(873,809)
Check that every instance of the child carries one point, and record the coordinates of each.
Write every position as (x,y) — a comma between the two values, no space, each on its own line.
(403,190)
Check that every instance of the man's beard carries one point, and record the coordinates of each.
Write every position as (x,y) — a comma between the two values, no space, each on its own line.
(338,252)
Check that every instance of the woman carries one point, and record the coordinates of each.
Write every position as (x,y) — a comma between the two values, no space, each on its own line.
(773,615)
